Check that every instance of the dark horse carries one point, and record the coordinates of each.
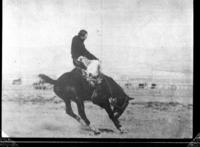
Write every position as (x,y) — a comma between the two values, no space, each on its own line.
(71,86)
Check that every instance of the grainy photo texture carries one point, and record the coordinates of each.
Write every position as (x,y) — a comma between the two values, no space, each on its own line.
(97,68)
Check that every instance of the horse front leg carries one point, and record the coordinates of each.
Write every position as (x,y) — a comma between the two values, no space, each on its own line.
(81,111)
(113,118)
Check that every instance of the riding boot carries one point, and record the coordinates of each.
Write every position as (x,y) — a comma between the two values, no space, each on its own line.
(79,64)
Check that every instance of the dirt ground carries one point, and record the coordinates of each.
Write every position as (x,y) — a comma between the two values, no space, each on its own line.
(35,113)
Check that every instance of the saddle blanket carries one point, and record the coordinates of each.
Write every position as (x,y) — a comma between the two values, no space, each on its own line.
(92,74)
(93,66)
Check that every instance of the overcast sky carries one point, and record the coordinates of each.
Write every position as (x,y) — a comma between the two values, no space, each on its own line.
(129,36)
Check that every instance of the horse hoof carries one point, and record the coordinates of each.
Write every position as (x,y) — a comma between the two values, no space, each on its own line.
(93,129)
(123,130)
(94,133)
(97,133)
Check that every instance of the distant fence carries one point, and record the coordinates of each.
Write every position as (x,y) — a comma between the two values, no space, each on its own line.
(157,88)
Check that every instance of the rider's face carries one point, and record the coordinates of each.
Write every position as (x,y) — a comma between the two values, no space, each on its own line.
(85,37)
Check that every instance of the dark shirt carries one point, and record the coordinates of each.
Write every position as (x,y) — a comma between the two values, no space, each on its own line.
(78,49)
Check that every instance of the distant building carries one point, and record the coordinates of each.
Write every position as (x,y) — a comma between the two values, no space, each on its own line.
(153,86)
(128,85)
(41,85)
(142,85)
(17,81)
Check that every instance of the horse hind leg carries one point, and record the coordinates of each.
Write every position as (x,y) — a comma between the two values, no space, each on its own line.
(67,101)
(70,112)
(81,111)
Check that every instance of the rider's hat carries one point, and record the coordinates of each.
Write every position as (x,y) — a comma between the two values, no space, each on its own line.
(82,32)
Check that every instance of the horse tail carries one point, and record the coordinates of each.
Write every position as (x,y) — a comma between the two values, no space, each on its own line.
(47,79)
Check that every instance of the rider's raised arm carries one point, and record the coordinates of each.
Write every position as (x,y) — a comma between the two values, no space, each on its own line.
(89,55)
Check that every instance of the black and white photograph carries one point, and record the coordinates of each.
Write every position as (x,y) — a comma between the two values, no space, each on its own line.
(97,69)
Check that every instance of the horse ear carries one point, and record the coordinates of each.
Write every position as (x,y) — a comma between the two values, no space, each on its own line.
(131,98)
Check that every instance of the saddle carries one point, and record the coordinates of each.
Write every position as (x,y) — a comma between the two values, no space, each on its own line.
(92,80)
(91,73)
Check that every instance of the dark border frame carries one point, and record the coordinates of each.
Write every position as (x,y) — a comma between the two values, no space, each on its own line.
(135,141)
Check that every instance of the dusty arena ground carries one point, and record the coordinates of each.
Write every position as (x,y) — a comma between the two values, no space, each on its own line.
(35,113)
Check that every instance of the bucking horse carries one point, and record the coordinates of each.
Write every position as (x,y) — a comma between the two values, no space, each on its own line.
(71,86)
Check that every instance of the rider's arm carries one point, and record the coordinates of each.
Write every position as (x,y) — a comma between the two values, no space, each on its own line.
(89,55)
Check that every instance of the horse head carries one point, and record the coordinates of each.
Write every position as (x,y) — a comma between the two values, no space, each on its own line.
(118,99)
(108,89)
(120,103)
